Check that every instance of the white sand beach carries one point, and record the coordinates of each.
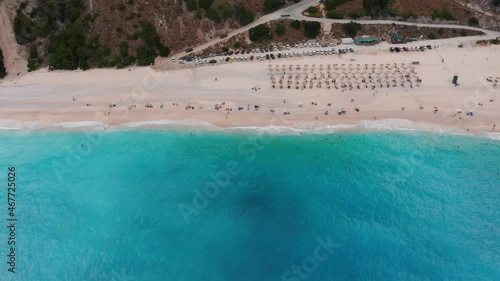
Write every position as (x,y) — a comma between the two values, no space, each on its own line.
(192,93)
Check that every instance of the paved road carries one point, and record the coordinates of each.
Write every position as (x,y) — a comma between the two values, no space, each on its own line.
(295,12)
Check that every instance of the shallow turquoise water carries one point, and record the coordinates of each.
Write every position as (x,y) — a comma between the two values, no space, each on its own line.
(137,205)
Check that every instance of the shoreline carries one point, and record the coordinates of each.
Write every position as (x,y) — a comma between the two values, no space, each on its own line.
(365,126)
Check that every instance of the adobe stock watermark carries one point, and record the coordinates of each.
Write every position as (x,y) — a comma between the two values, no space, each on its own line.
(84,148)
(310,264)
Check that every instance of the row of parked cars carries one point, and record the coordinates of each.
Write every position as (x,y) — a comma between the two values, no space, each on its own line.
(408,49)
(284,55)
(271,48)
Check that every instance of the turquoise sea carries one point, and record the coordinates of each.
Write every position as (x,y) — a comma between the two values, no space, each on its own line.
(222,206)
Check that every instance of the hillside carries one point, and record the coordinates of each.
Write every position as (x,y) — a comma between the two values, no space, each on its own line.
(71,34)
(482,13)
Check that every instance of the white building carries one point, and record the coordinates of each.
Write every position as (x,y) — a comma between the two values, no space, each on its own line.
(347,41)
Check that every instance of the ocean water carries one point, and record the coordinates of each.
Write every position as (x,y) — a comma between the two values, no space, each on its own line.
(189,206)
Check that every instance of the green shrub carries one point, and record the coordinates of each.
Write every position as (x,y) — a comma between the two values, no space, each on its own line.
(33,52)
(333,4)
(120,7)
(378,8)
(273,5)
(124,48)
(205,4)
(313,10)
(191,5)
(296,24)
(164,51)
(354,14)
(440,31)
(351,29)
(146,55)
(334,15)
(463,33)
(473,21)
(225,10)
(130,2)
(32,65)
(243,16)
(408,15)
(431,36)
(237,45)
(24,28)
(213,15)
(3,71)
(149,35)
(260,33)
(225,49)
(312,29)
(280,29)
(444,14)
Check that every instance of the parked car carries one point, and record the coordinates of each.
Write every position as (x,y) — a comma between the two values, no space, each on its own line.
(213,61)
(429,47)
(189,50)
(251,57)
(273,57)
(227,59)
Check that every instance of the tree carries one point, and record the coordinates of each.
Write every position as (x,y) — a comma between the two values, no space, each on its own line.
(312,29)
(296,24)
(280,29)
(145,55)
(3,71)
(378,8)
(334,15)
(164,51)
(444,14)
(192,5)
(243,16)
(431,36)
(213,15)
(273,5)
(351,29)
(225,10)
(473,21)
(260,33)
(124,49)
(33,52)
(205,4)
(333,4)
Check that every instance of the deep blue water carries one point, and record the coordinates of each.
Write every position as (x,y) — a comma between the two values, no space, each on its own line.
(138,205)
